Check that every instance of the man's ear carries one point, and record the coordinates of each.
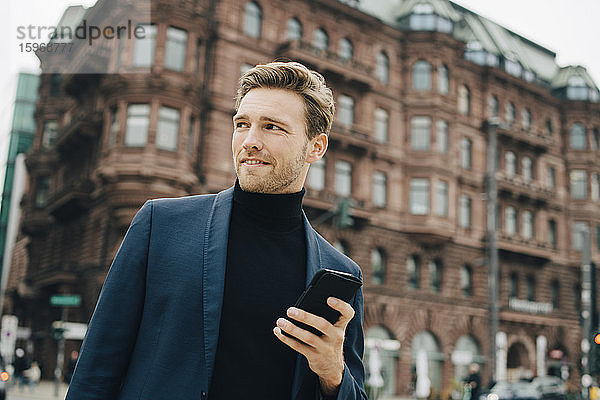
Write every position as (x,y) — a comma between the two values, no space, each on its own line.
(318,147)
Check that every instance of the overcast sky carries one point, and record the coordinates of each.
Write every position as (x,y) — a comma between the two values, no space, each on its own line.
(571,28)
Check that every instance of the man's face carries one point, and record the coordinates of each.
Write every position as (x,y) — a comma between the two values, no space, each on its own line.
(269,143)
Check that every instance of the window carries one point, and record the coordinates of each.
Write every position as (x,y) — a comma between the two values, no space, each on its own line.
(382,67)
(441,199)
(190,138)
(577,89)
(579,228)
(509,112)
(138,119)
(413,267)
(420,129)
(443,79)
(510,164)
(466,280)
(167,131)
(379,189)
(526,119)
(530,288)
(343,178)
(442,136)
(143,52)
(549,127)
(595,139)
(527,225)
(551,177)
(435,274)
(513,286)
(421,75)
(464,212)
(552,233)
(345,50)
(294,29)
(419,196)
(555,290)
(245,67)
(316,175)
(513,67)
(381,126)
(578,184)
(252,20)
(493,107)
(320,40)
(55,81)
(346,110)
(49,134)
(527,169)
(42,191)
(378,266)
(114,127)
(510,221)
(595,186)
(465,153)
(175,48)
(578,137)
(464,100)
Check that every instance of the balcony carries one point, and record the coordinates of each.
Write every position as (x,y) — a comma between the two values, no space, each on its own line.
(516,187)
(540,251)
(538,142)
(71,199)
(354,72)
(77,128)
(347,138)
(35,221)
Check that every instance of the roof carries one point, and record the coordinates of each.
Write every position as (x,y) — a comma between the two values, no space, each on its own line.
(71,18)
(561,79)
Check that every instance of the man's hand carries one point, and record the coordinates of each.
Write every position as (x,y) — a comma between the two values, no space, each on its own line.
(325,354)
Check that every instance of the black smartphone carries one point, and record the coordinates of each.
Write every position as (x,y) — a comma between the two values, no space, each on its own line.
(326,283)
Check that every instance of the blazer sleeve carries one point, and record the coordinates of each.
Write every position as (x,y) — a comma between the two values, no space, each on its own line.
(112,332)
(352,386)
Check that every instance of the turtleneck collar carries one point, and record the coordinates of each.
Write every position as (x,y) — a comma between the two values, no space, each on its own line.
(273,212)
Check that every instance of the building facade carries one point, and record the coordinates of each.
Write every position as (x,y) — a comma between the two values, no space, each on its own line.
(415,84)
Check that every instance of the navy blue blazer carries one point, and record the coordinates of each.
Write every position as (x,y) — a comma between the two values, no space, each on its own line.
(154,332)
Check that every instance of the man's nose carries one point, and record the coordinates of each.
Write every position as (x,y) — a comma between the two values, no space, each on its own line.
(253,140)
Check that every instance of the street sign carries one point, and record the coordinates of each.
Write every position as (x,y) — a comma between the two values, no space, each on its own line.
(65,300)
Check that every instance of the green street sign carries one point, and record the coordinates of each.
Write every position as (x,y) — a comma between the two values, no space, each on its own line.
(65,300)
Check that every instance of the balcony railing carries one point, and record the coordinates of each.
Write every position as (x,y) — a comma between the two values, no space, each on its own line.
(536,140)
(517,186)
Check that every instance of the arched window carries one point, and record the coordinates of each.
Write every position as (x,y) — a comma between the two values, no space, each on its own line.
(253,20)
(435,275)
(466,280)
(381,354)
(526,119)
(378,266)
(510,223)
(320,40)
(493,107)
(578,137)
(509,112)
(294,29)
(443,79)
(464,100)
(382,67)
(413,268)
(465,352)
(421,75)
(510,164)
(345,49)
(427,356)
(527,169)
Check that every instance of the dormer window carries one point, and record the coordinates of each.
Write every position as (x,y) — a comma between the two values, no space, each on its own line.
(513,67)
(423,18)
(577,89)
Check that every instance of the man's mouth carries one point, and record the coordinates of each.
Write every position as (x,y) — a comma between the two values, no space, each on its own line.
(253,162)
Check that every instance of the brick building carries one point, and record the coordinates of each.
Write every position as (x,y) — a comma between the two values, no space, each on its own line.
(415,82)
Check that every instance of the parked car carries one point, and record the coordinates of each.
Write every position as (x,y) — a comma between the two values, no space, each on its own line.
(551,387)
(521,390)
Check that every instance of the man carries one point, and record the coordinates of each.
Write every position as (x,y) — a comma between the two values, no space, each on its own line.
(199,293)
(474,380)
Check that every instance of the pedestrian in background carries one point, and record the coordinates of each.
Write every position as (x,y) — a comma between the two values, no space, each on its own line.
(474,381)
(71,366)
(20,365)
(33,375)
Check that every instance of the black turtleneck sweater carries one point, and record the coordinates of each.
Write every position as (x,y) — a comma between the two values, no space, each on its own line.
(265,274)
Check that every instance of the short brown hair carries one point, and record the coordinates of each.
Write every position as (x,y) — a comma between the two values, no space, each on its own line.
(318,98)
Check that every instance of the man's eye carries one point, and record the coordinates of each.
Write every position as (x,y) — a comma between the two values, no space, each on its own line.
(241,125)
(272,127)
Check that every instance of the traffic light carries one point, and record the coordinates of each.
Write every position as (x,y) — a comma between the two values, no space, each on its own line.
(344,214)
(597,338)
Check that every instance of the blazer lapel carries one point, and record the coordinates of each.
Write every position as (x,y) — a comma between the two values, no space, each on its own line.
(213,274)
(305,381)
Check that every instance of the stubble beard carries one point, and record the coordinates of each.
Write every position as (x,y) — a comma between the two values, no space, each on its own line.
(277,180)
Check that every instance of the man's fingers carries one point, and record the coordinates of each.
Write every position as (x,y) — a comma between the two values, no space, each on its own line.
(292,342)
(319,323)
(344,308)
(303,335)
